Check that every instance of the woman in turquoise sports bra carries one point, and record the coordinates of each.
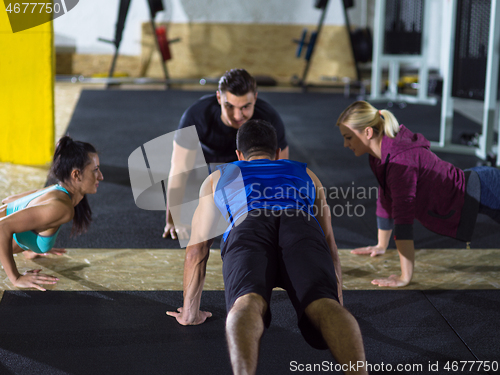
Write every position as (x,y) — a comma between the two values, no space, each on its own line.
(30,221)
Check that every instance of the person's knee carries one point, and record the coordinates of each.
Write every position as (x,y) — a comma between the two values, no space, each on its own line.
(327,315)
(251,302)
(323,307)
(322,304)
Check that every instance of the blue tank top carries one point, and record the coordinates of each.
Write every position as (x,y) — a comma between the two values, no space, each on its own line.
(30,240)
(263,184)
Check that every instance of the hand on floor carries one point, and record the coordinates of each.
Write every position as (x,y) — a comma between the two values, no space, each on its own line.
(33,279)
(185,320)
(372,251)
(391,281)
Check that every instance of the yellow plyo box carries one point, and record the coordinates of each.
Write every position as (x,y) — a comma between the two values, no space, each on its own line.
(26,93)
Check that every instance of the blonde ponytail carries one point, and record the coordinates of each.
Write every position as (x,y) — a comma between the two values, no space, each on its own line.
(391,124)
(361,115)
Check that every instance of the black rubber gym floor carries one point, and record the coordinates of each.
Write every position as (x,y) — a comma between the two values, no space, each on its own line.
(111,332)
(405,332)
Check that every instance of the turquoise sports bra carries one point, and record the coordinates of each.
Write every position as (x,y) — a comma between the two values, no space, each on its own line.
(30,240)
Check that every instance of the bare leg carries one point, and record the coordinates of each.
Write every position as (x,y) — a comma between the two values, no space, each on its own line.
(244,329)
(340,331)
(28,254)
(15,247)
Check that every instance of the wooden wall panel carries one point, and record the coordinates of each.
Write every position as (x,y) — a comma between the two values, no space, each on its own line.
(208,50)
(262,49)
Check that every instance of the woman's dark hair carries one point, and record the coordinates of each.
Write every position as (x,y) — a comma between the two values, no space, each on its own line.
(69,155)
(257,137)
(238,82)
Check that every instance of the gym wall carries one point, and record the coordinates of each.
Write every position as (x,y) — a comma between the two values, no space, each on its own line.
(209,49)
(215,36)
(26,94)
(218,34)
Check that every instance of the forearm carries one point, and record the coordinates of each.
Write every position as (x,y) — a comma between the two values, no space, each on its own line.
(406,252)
(175,194)
(182,163)
(195,265)
(384,236)
(7,257)
(168,217)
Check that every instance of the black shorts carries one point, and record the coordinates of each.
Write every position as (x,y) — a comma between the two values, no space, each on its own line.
(284,249)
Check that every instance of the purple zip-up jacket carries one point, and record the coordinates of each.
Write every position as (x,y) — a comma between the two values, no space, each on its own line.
(416,184)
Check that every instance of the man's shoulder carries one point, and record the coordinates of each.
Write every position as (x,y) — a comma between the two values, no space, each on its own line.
(205,101)
(265,111)
(260,163)
(261,103)
(201,113)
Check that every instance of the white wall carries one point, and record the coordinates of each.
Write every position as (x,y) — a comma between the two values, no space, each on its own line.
(92,19)
(254,11)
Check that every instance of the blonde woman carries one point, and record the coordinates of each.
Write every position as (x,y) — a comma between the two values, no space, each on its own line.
(415,184)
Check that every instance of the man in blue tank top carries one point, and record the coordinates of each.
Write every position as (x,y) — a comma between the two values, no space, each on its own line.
(279,234)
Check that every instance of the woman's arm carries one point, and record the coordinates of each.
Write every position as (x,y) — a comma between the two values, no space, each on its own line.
(406,250)
(402,178)
(13,198)
(38,218)
(384,236)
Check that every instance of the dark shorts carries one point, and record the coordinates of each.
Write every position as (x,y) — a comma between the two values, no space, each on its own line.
(284,249)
